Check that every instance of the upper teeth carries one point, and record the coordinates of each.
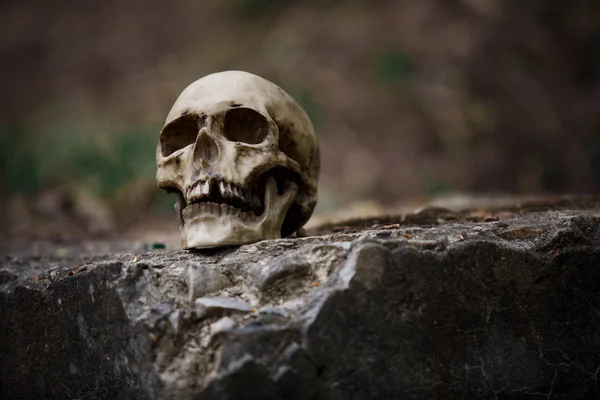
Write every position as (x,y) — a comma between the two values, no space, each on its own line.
(204,189)
(195,191)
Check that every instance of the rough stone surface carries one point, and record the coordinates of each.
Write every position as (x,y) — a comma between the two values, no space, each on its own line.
(452,309)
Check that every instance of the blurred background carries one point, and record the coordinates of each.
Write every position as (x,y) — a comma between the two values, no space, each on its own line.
(410,98)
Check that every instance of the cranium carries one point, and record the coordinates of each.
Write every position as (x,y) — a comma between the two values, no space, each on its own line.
(242,157)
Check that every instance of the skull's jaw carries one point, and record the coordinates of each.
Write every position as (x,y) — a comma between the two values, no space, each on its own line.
(205,225)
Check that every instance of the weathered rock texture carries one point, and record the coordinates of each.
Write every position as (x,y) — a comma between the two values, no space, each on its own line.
(456,309)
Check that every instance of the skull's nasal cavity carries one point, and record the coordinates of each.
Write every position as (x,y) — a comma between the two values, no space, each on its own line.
(206,149)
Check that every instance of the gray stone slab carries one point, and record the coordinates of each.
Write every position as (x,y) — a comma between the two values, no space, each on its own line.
(452,310)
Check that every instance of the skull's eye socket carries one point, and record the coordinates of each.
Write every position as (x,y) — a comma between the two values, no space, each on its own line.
(179,133)
(245,125)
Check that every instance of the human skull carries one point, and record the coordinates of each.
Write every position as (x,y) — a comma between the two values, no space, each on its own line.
(242,157)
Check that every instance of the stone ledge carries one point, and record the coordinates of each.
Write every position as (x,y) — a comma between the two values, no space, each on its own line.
(459,309)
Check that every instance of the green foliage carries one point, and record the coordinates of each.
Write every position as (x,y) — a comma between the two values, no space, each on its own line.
(19,167)
(164,201)
(309,103)
(100,163)
(253,9)
(436,187)
(392,67)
